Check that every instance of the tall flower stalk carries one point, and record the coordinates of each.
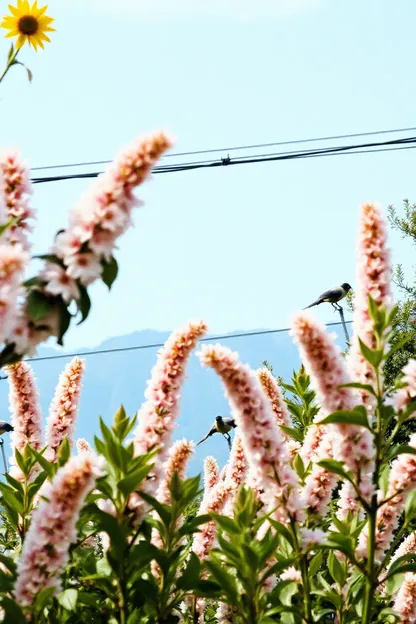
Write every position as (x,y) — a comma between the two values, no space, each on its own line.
(64,407)
(26,416)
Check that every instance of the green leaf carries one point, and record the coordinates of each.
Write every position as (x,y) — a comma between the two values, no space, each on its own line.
(33,282)
(64,452)
(403,449)
(283,531)
(345,417)
(331,465)
(13,613)
(295,434)
(359,386)
(84,303)
(68,599)
(400,344)
(45,464)
(225,580)
(336,569)
(115,531)
(226,524)
(110,271)
(38,305)
(190,574)
(50,258)
(131,482)
(162,510)
(374,357)
(8,224)
(64,321)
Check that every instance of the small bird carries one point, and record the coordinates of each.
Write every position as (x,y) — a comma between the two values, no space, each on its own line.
(332,296)
(5,427)
(221,425)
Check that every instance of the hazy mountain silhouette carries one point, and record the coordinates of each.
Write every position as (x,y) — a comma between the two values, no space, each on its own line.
(120,378)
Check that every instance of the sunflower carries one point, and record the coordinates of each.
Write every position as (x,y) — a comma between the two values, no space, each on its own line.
(28,23)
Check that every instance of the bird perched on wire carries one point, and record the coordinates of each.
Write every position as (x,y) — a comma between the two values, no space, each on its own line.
(221,425)
(5,427)
(332,296)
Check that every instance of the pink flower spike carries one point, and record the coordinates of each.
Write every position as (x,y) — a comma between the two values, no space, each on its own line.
(83,446)
(179,455)
(16,189)
(373,278)
(59,282)
(64,407)
(405,603)
(236,472)
(407,394)
(402,480)
(353,445)
(13,262)
(203,541)
(211,473)
(264,446)
(273,392)
(44,554)
(320,483)
(157,416)
(26,413)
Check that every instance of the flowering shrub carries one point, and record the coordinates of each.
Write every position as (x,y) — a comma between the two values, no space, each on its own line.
(312,519)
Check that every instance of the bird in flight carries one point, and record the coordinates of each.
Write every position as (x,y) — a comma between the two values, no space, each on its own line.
(221,425)
(332,296)
(5,427)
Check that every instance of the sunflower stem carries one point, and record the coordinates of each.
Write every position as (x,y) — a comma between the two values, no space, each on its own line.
(10,61)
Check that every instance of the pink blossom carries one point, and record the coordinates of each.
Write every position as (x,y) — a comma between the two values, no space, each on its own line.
(236,473)
(373,278)
(177,461)
(59,282)
(319,483)
(83,446)
(347,502)
(26,413)
(223,473)
(64,407)
(407,547)
(16,190)
(87,222)
(407,393)
(312,441)
(263,442)
(226,614)
(405,603)
(311,537)
(157,416)
(291,574)
(13,261)
(107,206)
(211,473)
(353,445)
(203,541)
(45,550)
(273,392)
(402,480)
(85,267)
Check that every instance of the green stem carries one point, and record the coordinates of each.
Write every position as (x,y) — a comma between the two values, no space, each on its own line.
(372,516)
(10,62)
(306,591)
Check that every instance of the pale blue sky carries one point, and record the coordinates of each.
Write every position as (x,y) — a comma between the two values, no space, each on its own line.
(240,247)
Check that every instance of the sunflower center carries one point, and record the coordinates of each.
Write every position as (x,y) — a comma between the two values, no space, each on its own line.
(28,25)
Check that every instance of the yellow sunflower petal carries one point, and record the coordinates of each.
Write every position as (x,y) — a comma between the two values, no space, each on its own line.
(14,11)
(20,42)
(11,34)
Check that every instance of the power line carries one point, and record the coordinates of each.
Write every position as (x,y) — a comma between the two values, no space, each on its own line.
(405,143)
(239,148)
(262,332)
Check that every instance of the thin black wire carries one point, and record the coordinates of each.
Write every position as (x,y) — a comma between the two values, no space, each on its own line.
(242,147)
(262,332)
(352,149)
